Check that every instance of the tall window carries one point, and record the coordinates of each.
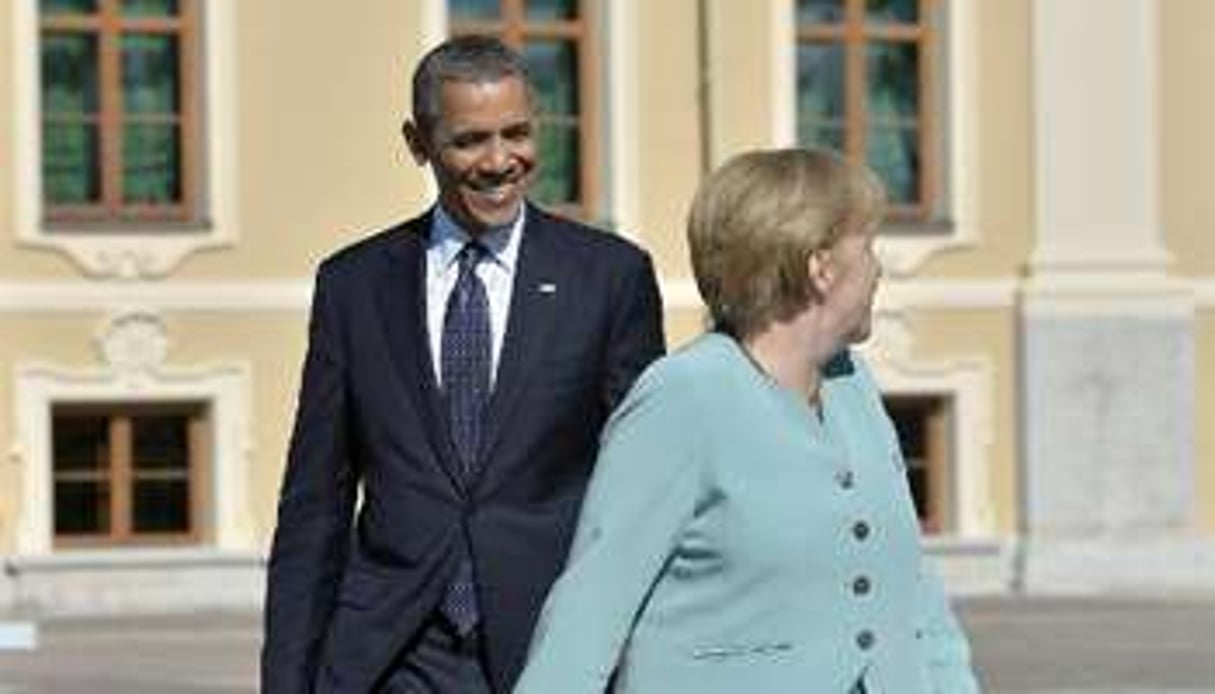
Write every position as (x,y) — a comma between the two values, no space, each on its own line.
(866,85)
(128,474)
(119,110)
(923,424)
(555,38)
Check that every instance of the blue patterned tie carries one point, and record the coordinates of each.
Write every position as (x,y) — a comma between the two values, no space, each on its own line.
(465,372)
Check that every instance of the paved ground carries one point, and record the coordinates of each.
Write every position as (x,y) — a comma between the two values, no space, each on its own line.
(1022,646)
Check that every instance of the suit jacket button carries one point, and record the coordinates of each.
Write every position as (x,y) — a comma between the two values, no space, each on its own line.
(860,530)
(865,640)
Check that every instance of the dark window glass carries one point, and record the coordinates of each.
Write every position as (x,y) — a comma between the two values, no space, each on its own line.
(161,442)
(149,74)
(473,10)
(69,74)
(551,10)
(67,6)
(820,94)
(149,8)
(893,11)
(81,443)
(820,11)
(553,66)
(161,505)
(71,163)
(895,157)
(892,77)
(82,507)
(557,181)
(151,164)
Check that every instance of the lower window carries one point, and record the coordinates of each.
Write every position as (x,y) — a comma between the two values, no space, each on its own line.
(924,423)
(128,473)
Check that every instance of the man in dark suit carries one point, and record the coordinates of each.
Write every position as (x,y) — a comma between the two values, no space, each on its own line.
(459,368)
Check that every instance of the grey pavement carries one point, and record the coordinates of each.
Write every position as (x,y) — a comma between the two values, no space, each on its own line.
(1022,646)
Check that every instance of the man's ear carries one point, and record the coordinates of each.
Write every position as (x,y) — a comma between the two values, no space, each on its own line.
(416,142)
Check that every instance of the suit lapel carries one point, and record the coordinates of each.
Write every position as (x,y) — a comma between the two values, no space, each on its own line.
(401,293)
(533,311)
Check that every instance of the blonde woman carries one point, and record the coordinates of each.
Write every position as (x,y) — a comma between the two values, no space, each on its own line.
(748,528)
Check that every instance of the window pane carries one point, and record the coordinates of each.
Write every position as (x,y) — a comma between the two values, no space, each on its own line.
(820,11)
(894,153)
(560,164)
(82,508)
(151,163)
(550,10)
(893,79)
(69,73)
(820,80)
(474,9)
(149,73)
(71,163)
(162,443)
(149,8)
(67,6)
(811,133)
(81,443)
(893,11)
(161,506)
(553,66)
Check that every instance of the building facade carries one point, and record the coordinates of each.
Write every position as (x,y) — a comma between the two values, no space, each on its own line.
(171,172)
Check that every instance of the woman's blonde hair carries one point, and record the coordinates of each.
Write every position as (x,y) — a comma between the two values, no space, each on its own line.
(755,221)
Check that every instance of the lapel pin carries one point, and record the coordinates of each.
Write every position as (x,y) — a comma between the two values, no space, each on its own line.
(547,288)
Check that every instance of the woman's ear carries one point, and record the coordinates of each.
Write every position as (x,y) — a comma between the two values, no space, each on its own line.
(821,270)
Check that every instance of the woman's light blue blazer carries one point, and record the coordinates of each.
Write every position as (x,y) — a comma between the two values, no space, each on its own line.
(733,542)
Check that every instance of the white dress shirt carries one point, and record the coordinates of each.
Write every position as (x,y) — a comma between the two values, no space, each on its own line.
(496,270)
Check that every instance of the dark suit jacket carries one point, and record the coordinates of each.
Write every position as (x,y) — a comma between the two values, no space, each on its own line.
(351,579)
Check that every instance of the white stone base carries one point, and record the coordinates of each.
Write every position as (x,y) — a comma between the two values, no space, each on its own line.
(133,582)
(973,566)
(1165,566)
(18,636)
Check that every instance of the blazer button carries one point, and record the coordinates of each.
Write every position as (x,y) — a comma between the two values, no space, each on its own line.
(865,640)
(860,530)
(846,479)
(861,585)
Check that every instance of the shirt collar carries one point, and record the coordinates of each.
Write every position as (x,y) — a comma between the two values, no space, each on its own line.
(447,239)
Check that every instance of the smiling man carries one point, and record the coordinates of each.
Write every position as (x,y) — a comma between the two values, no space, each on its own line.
(459,369)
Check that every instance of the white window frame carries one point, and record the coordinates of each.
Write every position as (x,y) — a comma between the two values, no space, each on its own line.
(151,251)
(133,346)
(904,254)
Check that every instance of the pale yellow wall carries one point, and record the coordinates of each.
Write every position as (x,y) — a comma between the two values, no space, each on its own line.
(6,127)
(944,335)
(741,65)
(1003,179)
(321,99)
(1187,111)
(669,162)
